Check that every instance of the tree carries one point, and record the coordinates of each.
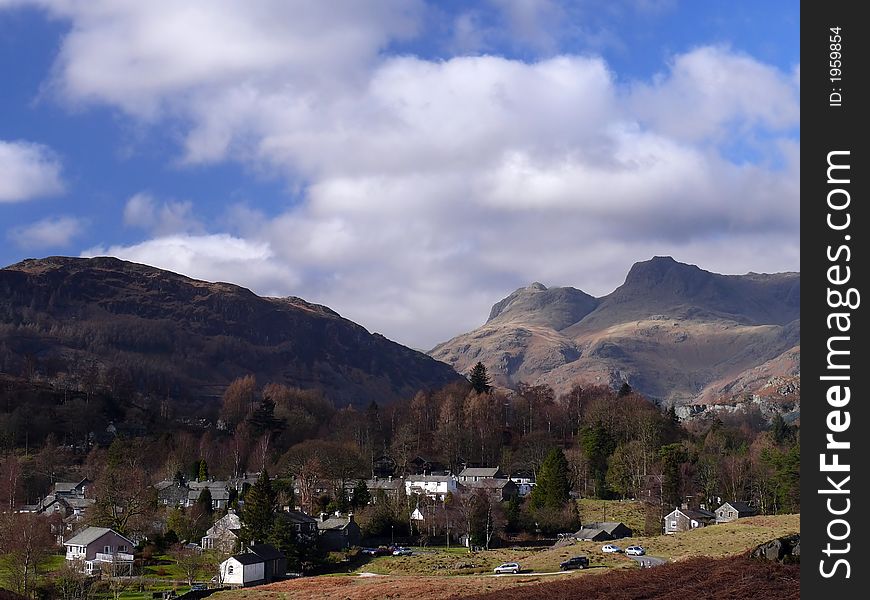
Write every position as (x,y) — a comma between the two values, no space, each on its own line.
(553,487)
(361,496)
(202,471)
(191,561)
(672,456)
(124,498)
(624,390)
(238,400)
(258,515)
(25,544)
(480,380)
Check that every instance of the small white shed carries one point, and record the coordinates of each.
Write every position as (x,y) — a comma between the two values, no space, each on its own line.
(243,569)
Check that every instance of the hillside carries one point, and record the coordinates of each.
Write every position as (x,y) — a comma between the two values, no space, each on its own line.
(130,325)
(673,331)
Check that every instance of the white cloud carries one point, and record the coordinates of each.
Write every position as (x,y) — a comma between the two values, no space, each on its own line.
(51,232)
(143,211)
(429,189)
(28,171)
(215,257)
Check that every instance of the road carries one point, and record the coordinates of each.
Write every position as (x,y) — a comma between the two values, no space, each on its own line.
(651,561)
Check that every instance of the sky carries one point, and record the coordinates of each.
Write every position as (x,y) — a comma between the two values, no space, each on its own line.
(407,163)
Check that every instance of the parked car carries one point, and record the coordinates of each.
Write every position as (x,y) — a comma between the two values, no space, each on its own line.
(383,551)
(635,551)
(511,567)
(198,587)
(402,552)
(577,562)
(610,548)
(369,551)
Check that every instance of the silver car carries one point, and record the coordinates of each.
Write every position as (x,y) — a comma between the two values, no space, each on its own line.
(511,567)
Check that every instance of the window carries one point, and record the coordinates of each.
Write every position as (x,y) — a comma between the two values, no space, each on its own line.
(122,548)
(673,523)
(107,549)
(229,569)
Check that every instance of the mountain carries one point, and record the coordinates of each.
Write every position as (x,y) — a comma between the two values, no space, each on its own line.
(673,331)
(163,333)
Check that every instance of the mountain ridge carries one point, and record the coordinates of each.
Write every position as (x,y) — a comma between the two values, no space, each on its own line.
(670,330)
(173,334)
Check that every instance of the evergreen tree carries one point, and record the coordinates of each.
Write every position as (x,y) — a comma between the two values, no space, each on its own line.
(672,456)
(480,381)
(204,501)
(553,487)
(598,445)
(624,391)
(361,496)
(258,516)
(202,471)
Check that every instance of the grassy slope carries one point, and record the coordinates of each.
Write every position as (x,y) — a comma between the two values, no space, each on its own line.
(416,576)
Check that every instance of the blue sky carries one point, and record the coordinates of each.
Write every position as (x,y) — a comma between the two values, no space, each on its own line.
(406,163)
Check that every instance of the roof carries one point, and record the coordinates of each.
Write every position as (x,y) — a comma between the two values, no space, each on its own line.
(91,534)
(479,472)
(162,485)
(266,551)
(742,507)
(247,558)
(333,523)
(65,486)
(297,516)
(608,526)
(698,515)
(384,484)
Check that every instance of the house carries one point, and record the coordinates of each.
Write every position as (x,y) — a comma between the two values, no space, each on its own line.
(243,569)
(525,481)
(431,486)
(304,525)
(388,487)
(172,492)
(479,474)
(219,490)
(97,547)
(731,511)
(499,489)
(274,561)
(338,532)
(224,534)
(603,530)
(684,519)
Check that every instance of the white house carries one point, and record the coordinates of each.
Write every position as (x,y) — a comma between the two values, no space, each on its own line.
(243,569)
(96,547)
(432,486)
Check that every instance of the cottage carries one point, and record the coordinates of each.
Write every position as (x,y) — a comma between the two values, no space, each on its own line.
(172,492)
(499,489)
(431,486)
(224,534)
(420,465)
(684,519)
(304,525)
(525,481)
(338,532)
(383,466)
(387,487)
(472,474)
(731,511)
(219,490)
(95,548)
(241,570)
(603,530)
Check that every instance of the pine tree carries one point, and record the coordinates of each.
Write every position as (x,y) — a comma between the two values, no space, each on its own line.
(624,390)
(258,516)
(361,495)
(553,487)
(202,472)
(204,501)
(480,381)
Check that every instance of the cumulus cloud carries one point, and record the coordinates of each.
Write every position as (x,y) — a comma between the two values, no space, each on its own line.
(48,233)
(28,171)
(430,189)
(143,211)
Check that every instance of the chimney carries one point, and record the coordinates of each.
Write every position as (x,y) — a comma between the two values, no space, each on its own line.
(323,517)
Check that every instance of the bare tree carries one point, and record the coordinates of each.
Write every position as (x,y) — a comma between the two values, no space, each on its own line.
(191,561)
(25,544)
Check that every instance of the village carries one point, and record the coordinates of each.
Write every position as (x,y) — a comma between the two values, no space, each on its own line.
(226,556)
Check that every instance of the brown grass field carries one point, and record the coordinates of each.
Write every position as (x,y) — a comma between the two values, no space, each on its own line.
(438,574)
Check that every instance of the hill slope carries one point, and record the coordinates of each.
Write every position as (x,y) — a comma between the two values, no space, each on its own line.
(171,335)
(675,332)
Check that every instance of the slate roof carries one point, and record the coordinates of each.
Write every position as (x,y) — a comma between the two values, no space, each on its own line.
(489,484)
(698,515)
(297,516)
(86,536)
(479,472)
(335,523)
(266,551)
(740,507)
(248,558)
